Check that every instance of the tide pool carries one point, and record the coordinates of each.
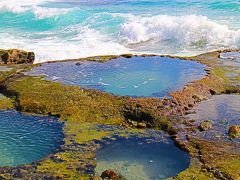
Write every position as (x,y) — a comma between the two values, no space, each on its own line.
(223,111)
(137,77)
(142,158)
(25,138)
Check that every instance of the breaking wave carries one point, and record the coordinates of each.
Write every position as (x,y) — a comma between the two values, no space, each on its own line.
(59,31)
(190,31)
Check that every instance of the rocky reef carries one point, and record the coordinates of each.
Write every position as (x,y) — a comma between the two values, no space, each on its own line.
(16,56)
(83,109)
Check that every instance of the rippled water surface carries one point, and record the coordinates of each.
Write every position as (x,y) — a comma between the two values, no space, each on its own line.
(26,138)
(142,158)
(231,59)
(137,76)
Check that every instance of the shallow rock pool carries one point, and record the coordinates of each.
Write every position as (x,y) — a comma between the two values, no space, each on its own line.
(137,76)
(223,111)
(146,158)
(26,138)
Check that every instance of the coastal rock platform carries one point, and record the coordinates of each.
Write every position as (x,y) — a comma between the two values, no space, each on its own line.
(84,110)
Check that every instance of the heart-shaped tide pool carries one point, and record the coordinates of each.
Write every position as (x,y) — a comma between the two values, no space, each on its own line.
(138,76)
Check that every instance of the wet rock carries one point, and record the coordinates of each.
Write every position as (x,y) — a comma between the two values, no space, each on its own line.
(16,56)
(133,123)
(141,125)
(127,55)
(205,125)
(17,173)
(78,64)
(192,111)
(199,98)
(109,174)
(57,159)
(138,124)
(234,131)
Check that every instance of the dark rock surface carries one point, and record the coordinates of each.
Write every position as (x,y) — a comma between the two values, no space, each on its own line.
(109,174)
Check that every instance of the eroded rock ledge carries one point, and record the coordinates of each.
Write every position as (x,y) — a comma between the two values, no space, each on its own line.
(16,56)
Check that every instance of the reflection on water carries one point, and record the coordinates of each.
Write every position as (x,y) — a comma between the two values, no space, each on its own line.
(231,58)
(145,158)
(223,110)
(137,76)
(26,138)
(5,68)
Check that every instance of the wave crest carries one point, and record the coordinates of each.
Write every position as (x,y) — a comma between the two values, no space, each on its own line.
(179,31)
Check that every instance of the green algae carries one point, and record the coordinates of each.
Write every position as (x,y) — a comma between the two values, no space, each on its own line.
(231,166)
(194,172)
(70,103)
(83,132)
(67,161)
(6,103)
(6,74)
(83,109)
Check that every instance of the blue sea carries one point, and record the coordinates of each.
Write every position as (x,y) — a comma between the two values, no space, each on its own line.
(64,29)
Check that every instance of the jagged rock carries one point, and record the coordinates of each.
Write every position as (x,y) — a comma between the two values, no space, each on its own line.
(234,131)
(109,174)
(205,125)
(16,56)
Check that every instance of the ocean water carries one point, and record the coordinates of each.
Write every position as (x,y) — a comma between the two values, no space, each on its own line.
(26,138)
(137,76)
(63,29)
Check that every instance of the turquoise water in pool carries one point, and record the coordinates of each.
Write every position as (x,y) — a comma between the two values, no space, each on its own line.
(26,138)
(62,29)
(137,76)
(142,158)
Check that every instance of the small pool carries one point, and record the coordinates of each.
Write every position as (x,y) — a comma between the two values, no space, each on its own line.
(142,158)
(223,111)
(137,76)
(26,138)
(231,59)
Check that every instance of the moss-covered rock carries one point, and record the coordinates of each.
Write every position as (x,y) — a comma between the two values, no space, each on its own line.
(6,103)
(70,103)
(205,125)
(234,131)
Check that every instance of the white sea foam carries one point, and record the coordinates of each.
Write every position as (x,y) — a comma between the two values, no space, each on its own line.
(42,13)
(179,31)
(87,42)
(33,6)
(137,34)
